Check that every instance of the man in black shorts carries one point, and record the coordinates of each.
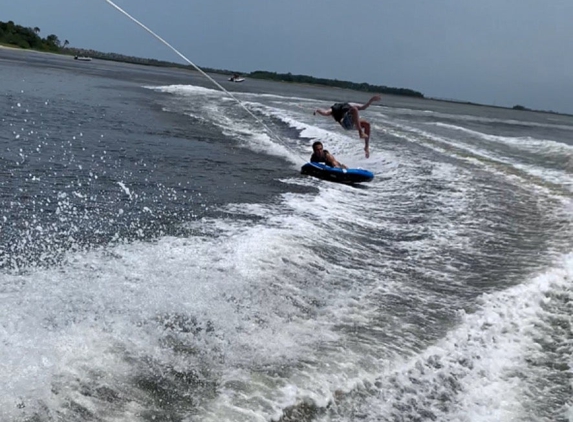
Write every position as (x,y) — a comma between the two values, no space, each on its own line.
(347,115)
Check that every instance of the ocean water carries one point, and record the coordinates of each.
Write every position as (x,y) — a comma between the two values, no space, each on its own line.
(162,259)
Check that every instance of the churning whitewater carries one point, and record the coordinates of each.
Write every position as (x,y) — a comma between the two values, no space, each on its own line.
(162,257)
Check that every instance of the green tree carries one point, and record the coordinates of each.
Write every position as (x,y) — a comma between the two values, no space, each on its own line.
(53,41)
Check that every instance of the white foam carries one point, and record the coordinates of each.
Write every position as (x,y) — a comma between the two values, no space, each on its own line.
(538,146)
(558,177)
(486,120)
(479,366)
(125,189)
(344,144)
(188,90)
(271,296)
(85,318)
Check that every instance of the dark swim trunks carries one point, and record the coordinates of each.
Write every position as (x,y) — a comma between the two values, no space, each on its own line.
(347,121)
(341,113)
(339,110)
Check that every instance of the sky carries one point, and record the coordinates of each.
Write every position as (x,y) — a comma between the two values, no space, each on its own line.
(495,52)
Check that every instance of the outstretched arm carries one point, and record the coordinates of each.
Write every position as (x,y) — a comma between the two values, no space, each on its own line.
(323,111)
(332,162)
(370,101)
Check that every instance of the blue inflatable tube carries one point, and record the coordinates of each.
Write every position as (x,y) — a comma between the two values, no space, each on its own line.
(335,174)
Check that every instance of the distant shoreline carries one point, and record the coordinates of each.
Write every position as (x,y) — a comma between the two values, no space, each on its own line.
(157,63)
(14,48)
(10,47)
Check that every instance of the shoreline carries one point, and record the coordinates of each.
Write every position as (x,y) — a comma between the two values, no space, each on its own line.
(223,72)
(11,48)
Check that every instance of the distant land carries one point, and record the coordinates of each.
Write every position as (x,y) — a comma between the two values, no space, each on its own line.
(18,36)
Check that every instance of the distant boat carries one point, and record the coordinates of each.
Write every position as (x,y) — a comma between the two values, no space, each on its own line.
(83,58)
(236,78)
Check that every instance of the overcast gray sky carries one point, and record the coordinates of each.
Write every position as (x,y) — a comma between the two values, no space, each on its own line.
(502,52)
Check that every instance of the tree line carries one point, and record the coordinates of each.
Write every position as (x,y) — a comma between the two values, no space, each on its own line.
(363,86)
(23,37)
(29,38)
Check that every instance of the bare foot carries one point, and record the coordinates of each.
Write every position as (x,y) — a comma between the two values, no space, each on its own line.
(367,152)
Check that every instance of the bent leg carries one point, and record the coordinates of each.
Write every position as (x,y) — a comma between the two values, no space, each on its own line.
(357,122)
(366,128)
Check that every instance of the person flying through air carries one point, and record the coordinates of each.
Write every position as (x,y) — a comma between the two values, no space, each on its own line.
(346,114)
